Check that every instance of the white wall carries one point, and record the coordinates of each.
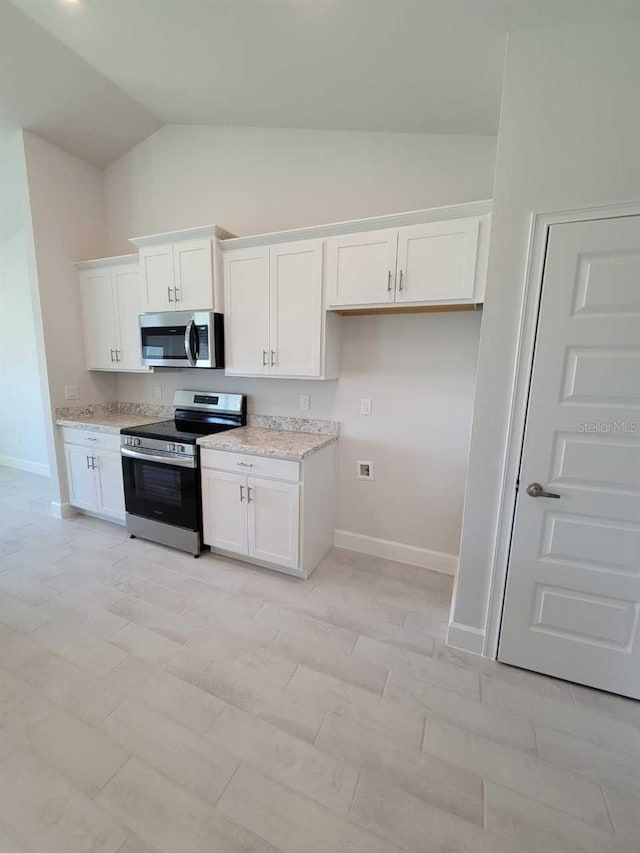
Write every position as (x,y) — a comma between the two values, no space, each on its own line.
(252,180)
(68,224)
(23,442)
(569,137)
(419,369)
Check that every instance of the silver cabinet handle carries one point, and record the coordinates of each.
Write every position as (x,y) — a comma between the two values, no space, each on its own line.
(176,298)
(264,358)
(273,358)
(400,287)
(169,293)
(118,355)
(90,438)
(241,493)
(245,464)
(535,490)
(111,353)
(88,464)
(93,463)
(389,282)
(249,490)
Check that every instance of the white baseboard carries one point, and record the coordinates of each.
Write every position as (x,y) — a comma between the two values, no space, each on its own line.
(25,465)
(435,560)
(62,510)
(466,637)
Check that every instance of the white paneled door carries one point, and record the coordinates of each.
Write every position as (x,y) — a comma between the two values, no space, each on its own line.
(573,589)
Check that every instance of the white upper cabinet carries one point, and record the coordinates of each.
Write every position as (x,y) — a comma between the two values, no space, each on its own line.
(295,309)
(129,303)
(178,277)
(193,268)
(181,270)
(246,300)
(274,324)
(361,268)
(157,270)
(437,261)
(99,318)
(112,296)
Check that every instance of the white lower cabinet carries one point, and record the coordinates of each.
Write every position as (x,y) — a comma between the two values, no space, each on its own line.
(80,477)
(224,511)
(285,524)
(274,523)
(94,473)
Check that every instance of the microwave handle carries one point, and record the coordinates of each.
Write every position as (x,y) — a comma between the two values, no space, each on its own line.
(188,332)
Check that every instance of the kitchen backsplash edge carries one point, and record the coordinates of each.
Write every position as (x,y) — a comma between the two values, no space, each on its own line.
(290,424)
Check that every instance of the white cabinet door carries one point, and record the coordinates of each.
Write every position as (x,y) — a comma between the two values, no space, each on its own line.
(361,268)
(224,510)
(295,347)
(274,521)
(193,275)
(157,270)
(81,477)
(130,302)
(246,299)
(99,319)
(437,261)
(109,484)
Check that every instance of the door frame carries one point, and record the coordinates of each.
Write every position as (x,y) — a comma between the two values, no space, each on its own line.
(541,223)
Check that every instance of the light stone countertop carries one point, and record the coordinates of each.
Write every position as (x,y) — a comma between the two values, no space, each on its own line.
(277,444)
(111,422)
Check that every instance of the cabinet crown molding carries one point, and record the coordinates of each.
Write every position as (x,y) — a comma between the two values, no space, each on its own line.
(212,231)
(97,263)
(352,226)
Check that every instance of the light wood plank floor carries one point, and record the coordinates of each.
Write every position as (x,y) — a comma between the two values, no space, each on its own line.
(153,702)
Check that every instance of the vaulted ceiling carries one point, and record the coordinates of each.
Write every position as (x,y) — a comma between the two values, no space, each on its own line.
(97,76)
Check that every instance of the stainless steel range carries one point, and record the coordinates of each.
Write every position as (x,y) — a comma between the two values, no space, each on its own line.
(161,467)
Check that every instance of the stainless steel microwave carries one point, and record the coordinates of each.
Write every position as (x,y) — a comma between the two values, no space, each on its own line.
(182,339)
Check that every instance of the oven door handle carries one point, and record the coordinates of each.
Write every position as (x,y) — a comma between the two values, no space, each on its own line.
(188,332)
(177,461)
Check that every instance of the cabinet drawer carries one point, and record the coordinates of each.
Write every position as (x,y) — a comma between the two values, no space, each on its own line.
(254,466)
(91,438)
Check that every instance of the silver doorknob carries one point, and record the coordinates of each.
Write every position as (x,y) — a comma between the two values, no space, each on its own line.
(535,490)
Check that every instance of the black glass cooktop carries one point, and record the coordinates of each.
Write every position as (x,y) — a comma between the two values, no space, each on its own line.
(169,430)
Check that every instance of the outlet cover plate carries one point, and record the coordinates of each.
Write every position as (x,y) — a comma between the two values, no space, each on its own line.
(364,469)
(71,392)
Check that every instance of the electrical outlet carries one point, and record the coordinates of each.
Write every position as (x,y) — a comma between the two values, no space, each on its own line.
(364,470)
(158,392)
(305,402)
(71,392)
(365,406)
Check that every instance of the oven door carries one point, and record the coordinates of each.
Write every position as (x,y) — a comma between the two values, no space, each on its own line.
(179,339)
(164,489)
